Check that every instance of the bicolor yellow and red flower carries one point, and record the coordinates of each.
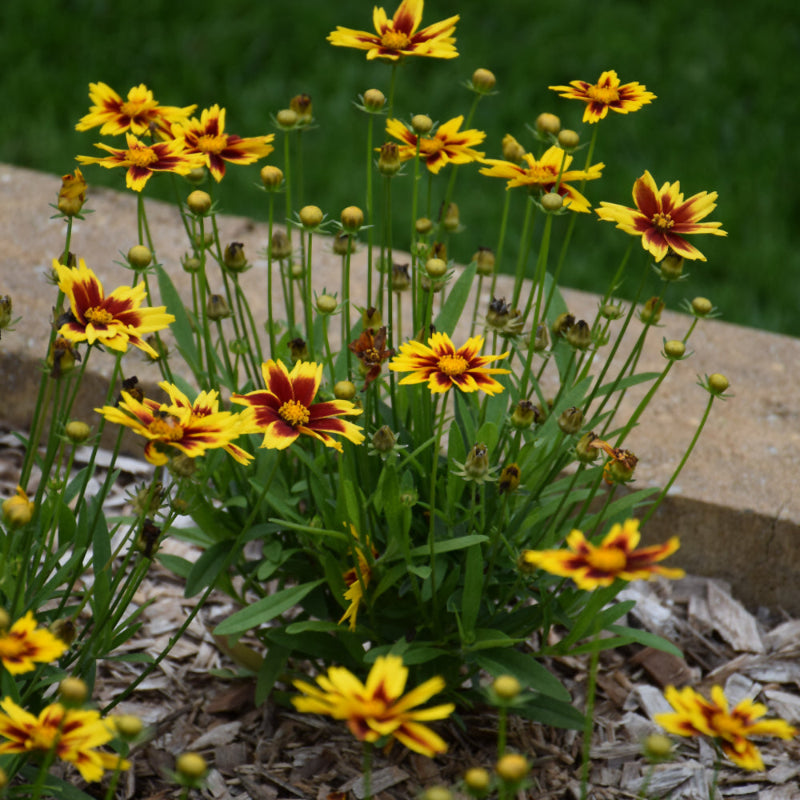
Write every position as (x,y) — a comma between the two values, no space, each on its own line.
(694,715)
(662,217)
(550,173)
(616,557)
(24,645)
(73,734)
(401,35)
(114,321)
(606,94)
(180,424)
(143,160)
(206,136)
(357,578)
(140,113)
(446,145)
(378,708)
(442,366)
(285,409)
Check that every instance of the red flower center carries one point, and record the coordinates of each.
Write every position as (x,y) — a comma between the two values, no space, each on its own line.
(452,364)
(294,412)
(394,40)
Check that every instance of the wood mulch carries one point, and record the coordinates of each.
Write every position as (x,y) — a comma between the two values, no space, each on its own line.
(197,700)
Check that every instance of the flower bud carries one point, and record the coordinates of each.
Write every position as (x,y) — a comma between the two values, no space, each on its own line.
(199,202)
(298,349)
(297,271)
(139,256)
(3,779)
(452,220)
(72,194)
(585,450)
(191,766)
(389,159)
(371,318)
(483,80)
(484,261)
(548,123)
(311,216)
(234,258)
(650,312)
(552,201)
(568,140)
(512,149)
(512,768)
(674,349)
(436,267)
(182,466)
(506,687)
(73,691)
(271,177)
(281,245)
(657,747)
(217,308)
(65,630)
(563,322)
(383,440)
(611,311)
(421,124)
(77,432)
(344,390)
(540,339)
(476,466)
(301,105)
(477,780)
(671,266)
(196,176)
(286,118)
(499,312)
(342,243)
(620,468)
(717,383)
(62,357)
(571,420)
(509,479)
(326,304)
(352,218)
(401,277)
(6,307)
(191,264)
(5,620)
(702,306)
(524,415)
(374,100)
(128,726)
(438,250)
(423,226)
(437,793)
(579,335)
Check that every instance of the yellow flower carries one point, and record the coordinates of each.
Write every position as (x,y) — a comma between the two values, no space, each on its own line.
(378,708)
(442,366)
(72,194)
(73,734)
(696,716)
(357,580)
(23,644)
(606,93)
(447,145)
(399,36)
(615,557)
(17,509)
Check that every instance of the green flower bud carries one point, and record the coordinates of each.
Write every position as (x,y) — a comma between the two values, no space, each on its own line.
(674,349)
(421,124)
(199,202)
(235,259)
(506,687)
(311,216)
(579,335)
(552,201)
(344,390)
(512,768)
(484,260)
(326,304)
(571,420)
(717,383)
(548,123)
(139,256)
(271,177)
(374,100)
(483,81)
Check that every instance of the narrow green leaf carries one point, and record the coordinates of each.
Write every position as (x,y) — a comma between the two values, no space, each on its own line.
(457,297)
(207,568)
(182,327)
(459,543)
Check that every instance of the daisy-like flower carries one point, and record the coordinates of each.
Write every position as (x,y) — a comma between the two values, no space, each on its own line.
(615,557)
(74,734)
(447,145)
(550,173)
(207,137)
(378,708)
(139,114)
(662,217)
(399,36)
(23,644)
(442,366)
(694,715)
(142,159)
(114,321)
(286,408)
(370,349)
(357,580)
(606,93)
(189,427)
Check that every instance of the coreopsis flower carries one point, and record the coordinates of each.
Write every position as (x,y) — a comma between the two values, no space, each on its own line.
(114,321)
(378,708)
(23,644)
(73,734)
(447,145)
(18,509)
(357,580)
(140,113)
(662,217)
(72,194)
(731,730)
(285,409)
(606,94)
(615,557)
(207,137)
(399,36)
(188,427)
(440,365)
(143,160)
(370,349)
(549,174)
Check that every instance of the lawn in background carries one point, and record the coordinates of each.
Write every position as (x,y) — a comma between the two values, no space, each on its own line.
(723,120)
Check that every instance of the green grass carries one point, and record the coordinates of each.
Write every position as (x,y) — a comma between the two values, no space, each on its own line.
(724,118)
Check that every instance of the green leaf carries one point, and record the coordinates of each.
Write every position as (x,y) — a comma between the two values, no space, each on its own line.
(459,543)
(181,328)
(271,667)
(550,711)
(265,609)
(473,590)
(176,564)
(525,668)
(457,297)
(207,568)
(645,638)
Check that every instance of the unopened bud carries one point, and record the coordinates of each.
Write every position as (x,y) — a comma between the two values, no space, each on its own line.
(571,420)
(128,726)
(217,307)
(484,261)
(650,312)
(568,139)
(437,793)
(512,768)
(326,304)
(579,335)
(506,687)
(477,780)
(611,311)
(17,509)
(702,306)
(191,263)
(540,339)
(77,431)
(281,246)
(509,479)
(64,629)
(73,691)
(5,620)
(421,124)
(383,440)
(191,766)
(371,317)
(585,449)
(436,267)
(235,259)
(718,383)
(389,159)
(196,176)
(401,277)
(72,194)
(524,414)
(352,218)
(298,349)
(657,747)
(311,216)
(674,349)
(286,118)
(552,201)
(301,105)
(671,266)
(563,322)
(483,81)
(199,202)
(344,390)
(477,464)
(548,123)
(423,226)
(374,100)
(452,220)
(512,149)
(140,257)
(271,177)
